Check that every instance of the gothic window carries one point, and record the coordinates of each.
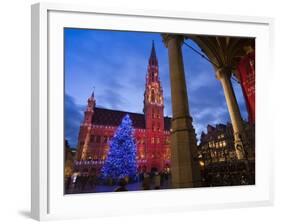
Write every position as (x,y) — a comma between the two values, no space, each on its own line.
(158,100)
(105,139)
(158,141)
(98,139)
(152,140)
(92,138)
(152,96)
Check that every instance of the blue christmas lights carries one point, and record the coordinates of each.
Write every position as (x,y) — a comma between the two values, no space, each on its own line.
(121,159)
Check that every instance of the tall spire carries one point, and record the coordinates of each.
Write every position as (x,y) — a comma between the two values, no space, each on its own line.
(153,91)
(153,53)
(93,93)
(153,58)
(91,102)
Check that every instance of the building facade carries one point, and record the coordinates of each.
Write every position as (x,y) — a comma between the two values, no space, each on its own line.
(152,129)
(217,144)
(218,159)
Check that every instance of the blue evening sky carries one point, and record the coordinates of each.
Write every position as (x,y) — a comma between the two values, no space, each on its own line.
(114,63)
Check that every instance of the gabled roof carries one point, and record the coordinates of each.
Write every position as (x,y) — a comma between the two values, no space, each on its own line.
(114,117)
(108,117)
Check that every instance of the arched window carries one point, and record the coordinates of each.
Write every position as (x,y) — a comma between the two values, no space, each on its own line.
(152,96)
(98,138)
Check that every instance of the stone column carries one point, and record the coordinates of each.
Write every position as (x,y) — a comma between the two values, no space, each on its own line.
(224,74)
(184,160)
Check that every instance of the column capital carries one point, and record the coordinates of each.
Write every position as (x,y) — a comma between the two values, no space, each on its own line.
(167,37)
(223,72)
(248,49)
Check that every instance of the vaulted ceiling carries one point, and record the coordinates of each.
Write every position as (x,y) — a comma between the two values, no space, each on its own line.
(224,51)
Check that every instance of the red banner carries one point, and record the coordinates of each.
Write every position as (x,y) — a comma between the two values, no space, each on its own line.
(246,73)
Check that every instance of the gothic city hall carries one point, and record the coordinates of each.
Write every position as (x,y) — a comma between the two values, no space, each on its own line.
(177,113)
(151,128)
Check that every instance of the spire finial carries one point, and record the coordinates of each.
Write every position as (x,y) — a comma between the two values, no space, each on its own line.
(153,52)
(93,92)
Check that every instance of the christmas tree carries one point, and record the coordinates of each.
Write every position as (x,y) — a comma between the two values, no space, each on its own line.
(121,158)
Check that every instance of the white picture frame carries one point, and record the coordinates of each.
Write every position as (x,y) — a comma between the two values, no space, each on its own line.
(48,201)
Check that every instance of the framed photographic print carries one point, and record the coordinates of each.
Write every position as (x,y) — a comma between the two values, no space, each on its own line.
(154,111)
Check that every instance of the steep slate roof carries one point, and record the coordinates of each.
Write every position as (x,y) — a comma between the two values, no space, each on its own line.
(109,117)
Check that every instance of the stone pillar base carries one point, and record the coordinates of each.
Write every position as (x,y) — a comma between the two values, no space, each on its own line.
(185,167)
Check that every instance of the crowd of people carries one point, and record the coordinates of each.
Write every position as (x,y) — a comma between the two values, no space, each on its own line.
(81,182)
(154,179)
(228,174)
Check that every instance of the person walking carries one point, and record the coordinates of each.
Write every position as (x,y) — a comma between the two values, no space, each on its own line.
(122,185)
(146,181)
(157,180)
